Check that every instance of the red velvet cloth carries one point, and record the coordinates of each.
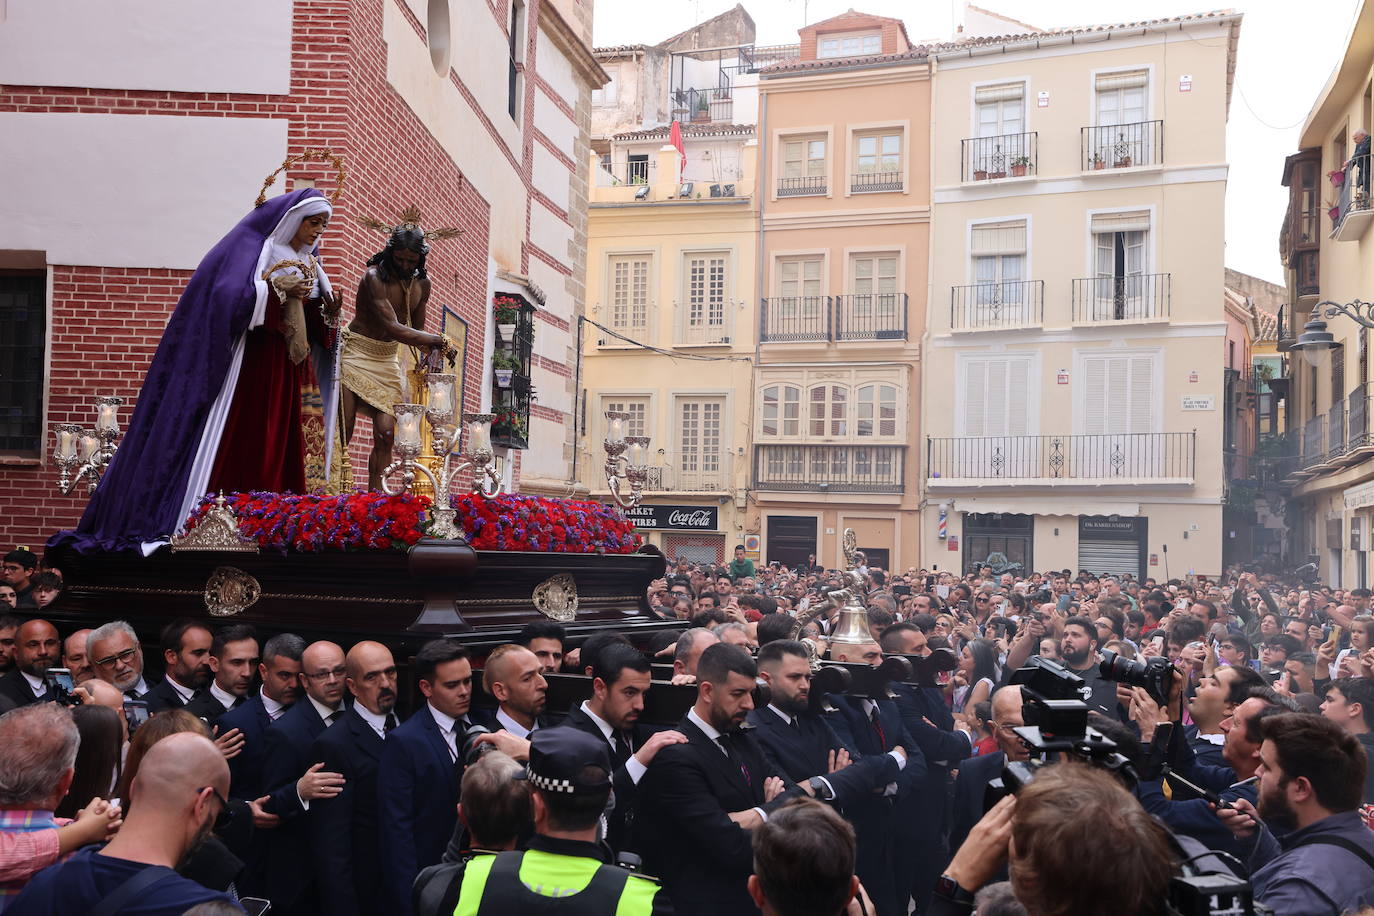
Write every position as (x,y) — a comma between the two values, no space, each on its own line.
(263,446)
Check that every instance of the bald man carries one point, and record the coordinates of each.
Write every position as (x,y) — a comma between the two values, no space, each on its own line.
(75,658)
(975,772)
(513,675)
(181,788)
(36,649)
(294,779)
(344,829)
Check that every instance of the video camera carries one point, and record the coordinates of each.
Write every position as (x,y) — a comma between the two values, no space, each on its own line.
(1154,674)
(1056,728)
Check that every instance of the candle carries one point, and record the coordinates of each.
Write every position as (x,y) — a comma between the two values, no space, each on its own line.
(479,436)
(440,398)
(408,430)
(105,418)
(635,455)
(66,444)
(89,445)
(615,431)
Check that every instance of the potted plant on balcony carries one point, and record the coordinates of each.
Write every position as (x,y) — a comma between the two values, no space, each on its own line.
(1019,165)
(504,367)
(703,109)
(1122,162)
(1097,161)
(1333,210)
(980,174)
(506,311)
(1337,177)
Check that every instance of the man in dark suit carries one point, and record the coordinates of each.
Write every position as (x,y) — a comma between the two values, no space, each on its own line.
(233,659)
(874,727)
(974,773)
(343,829)
(928,720)
(620,678)
(513,675)
(417,778)
(186,652)
(293,779)
(280,671)
(699,800)
(36,649)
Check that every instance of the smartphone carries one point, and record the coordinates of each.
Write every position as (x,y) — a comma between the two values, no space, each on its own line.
(942,591)
(62,678)
(255,906)
(1178,783)
(901,589)
(135,713)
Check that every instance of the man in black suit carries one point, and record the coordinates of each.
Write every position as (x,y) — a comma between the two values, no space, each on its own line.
(233,658)
(699,800)
(186,651)
(344,828)
(280,671)
(417,778)
(294,779)
(975,772)
(36,649)
(620,678)
(800,743)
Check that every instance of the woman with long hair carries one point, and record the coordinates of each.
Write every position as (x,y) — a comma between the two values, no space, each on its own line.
(97,757)
(979,672)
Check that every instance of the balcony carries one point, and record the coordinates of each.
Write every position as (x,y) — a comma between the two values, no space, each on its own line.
(987,306)
(689,472)
(713,105)
(803,319)
(829,468)
(1134,297)
(1354,211)
(864,182)
(1122,146)
(1005,156)
(1338,438)
(636,172)
(1095,460)
(802,186)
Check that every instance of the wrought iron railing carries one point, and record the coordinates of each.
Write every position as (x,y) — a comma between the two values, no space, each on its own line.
(1134,297)
(1005,156)
(1335,431)
(1357,418)
(709,105)
(795,318)
(1123,146)
(1008,304)
(1354,193)
(875,181)
(1314,442)
(800,186)
(630,172)
(829,468)
(858,316)
(1126,456)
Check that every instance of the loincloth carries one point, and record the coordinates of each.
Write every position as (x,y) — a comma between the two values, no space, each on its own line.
(371,370)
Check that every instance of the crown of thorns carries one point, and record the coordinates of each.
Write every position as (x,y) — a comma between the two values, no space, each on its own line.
(410,220)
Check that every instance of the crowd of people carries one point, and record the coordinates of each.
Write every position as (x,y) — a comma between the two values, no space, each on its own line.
(232,771)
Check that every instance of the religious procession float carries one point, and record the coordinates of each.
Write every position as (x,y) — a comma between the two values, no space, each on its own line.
(230,492)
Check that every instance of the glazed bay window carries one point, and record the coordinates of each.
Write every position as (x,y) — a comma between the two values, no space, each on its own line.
(781,412)
(629,296)
(803,167)
(828,411)
(877,161)
(876,411)
(705,316)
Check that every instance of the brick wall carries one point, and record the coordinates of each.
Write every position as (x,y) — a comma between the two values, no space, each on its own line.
(105,322)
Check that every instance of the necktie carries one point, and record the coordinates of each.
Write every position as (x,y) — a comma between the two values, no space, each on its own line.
(332,717)
(728,743)
(389,724)
(133,694)
(877,723)
(239,701)
(623,748)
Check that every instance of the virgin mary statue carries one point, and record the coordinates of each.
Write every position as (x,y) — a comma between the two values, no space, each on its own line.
(241,394)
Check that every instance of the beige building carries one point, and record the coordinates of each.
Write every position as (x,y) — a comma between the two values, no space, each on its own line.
(844,236)
(1323,240)
(1074,359)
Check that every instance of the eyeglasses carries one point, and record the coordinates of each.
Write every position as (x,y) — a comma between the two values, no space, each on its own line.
(226,814)
(336,674)
(122,657)
(1003,728)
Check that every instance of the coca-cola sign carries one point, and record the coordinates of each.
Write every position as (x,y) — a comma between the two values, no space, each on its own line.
(677,518)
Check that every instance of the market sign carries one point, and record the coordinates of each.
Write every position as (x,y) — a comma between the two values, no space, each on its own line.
(677,518)
(1359,497)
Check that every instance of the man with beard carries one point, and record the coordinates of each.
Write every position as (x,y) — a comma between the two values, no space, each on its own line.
(1078,647)
(390,303)
(36,649)
(186,650)
(1311,775)
(620,678)
(280,671)
(294,779)
(700,800)
(343,829)
(117,658)
(233,658)
(9,629)
(180,791)
(512,675)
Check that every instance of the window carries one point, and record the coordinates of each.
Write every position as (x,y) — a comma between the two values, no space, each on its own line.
(1001,110)
(1122,138)
(829,410)
(799,287)
(878,152)
(1121,97)
(637,408)
(997,397)
(850,45)
(23,329)
(608,95)
(874,279)
(515,75)
(998,269)
(629,295)
(876,411)
(1122,287)
(705,295)
(699,439)
(1119,395)
(804,158)
(781,410)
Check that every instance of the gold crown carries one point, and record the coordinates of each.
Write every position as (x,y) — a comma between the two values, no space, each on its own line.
(309,155)
(411,218)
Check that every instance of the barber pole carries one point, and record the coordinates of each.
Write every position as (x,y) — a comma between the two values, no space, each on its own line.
(944,523)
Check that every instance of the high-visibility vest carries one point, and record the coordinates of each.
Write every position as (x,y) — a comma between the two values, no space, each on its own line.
(537,882)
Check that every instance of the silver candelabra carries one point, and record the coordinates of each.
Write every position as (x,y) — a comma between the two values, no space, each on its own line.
(626,459)
(84,453)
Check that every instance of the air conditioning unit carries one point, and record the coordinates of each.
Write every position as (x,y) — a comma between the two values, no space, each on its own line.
(715,190)
(728,191)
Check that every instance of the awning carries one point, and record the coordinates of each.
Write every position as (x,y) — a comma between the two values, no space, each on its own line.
(1031,506)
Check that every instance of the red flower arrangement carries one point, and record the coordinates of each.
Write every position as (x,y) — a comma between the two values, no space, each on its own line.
(314,523)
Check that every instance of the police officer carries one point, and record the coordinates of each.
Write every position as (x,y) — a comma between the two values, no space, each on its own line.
(563,869)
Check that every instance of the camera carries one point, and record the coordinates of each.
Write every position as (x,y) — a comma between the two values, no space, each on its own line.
(1154,674)
(471,751)
(59,680)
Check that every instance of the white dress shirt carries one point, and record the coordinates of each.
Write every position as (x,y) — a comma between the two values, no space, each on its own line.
(376,722)
(446,723)
(186,693)
(870,709)
(324,711)
(633,768)
(36,684)
(273,708)
(710,731)
(512,726)
(139,690)
(225,698)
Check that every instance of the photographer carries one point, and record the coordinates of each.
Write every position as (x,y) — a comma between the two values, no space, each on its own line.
(1311,776)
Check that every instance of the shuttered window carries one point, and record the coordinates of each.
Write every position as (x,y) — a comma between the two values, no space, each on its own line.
(996,397)
(1000,109)
(699,434)
(637,408)
(1119,395)
(1121,97)
(630,294)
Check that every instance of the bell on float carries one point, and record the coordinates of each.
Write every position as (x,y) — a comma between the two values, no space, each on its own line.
(851,627)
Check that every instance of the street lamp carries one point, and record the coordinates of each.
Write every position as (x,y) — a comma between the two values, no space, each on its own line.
(1316,342)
